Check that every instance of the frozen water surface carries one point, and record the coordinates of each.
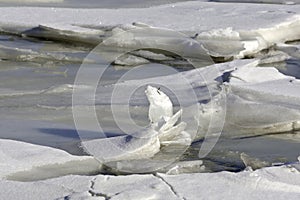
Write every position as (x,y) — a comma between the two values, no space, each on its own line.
(88,3)
(257,50)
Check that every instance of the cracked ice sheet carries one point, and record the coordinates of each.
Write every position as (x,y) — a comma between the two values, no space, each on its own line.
(237,31)
(186,16)
(58,188)
(268,183)
(19,159)
(133,187)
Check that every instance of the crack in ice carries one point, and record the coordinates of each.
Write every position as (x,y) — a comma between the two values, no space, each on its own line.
(96,194)
(170,186)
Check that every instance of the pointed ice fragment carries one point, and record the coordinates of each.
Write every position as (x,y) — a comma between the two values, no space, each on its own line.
(160,104)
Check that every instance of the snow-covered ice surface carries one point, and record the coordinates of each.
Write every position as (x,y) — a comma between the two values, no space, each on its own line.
(243,29)
(251,97)
(186,16)
(267,183)
(282,182)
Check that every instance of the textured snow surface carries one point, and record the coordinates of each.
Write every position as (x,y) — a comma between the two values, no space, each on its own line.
(282,182)
(189,16)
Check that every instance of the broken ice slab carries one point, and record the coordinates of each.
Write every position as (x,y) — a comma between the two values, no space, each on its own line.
(264,103)
(254,163)
(143,145)
(248,33)
(66,33)
(24,161)
(160,105)
(29,55)
(130,60)
(164,130)
(195,166)
(263,91)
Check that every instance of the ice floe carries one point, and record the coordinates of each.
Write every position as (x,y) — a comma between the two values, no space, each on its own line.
(24,161)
